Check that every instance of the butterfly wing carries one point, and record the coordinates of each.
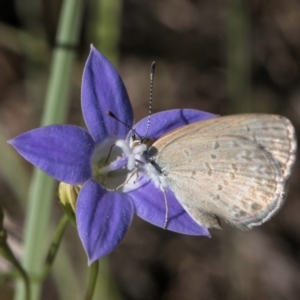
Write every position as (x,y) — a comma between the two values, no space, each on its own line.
(233,167)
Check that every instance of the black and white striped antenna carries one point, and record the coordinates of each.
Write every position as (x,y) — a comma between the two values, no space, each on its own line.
(152,69)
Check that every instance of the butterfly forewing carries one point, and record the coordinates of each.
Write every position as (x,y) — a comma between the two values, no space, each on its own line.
(233,167)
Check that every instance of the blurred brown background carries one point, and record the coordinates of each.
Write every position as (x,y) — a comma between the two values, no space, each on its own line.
(219,56)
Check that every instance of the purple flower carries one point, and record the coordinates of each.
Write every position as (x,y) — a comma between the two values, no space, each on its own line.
(108,197)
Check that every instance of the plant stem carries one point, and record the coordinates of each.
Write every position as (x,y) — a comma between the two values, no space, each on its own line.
(104,31)
(62,225)
(92,280)
(41,191)
(6,252)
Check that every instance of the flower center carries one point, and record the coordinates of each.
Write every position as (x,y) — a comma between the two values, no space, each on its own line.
(109,164)
(115,162)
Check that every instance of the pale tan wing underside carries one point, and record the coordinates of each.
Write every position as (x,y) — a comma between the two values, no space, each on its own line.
(233,167)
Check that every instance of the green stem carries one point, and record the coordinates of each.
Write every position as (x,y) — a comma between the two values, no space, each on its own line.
(62,225)
(92,280)
(41,192)
(6,252)
(104,31)
(106,287)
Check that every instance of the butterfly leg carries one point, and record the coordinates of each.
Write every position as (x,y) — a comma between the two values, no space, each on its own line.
(167,208)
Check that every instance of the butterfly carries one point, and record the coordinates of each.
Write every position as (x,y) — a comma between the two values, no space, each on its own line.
(233,168)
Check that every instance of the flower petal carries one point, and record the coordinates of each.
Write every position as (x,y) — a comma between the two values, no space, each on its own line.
(102,219)
(150,205)
(62,151)
(103,90)
(166,121)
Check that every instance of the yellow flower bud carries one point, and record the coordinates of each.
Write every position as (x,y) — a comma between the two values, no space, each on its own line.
(68,194)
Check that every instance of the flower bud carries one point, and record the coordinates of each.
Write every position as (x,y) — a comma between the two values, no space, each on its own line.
(68,194)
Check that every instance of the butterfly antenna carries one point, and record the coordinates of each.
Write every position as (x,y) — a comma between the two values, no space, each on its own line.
(152,69)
